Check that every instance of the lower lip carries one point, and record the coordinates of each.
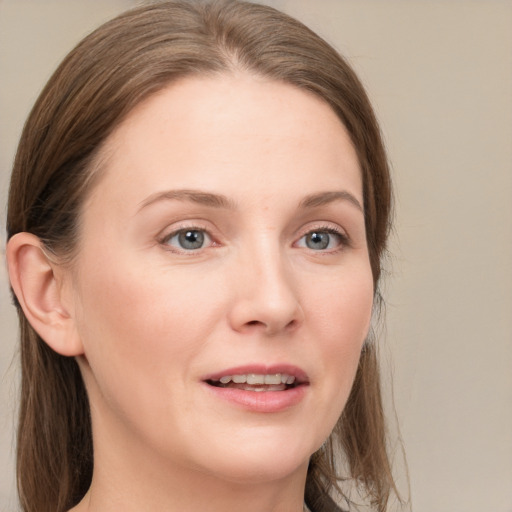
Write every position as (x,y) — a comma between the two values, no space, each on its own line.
(261,401)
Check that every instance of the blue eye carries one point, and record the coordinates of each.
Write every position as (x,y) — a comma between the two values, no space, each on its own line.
(188,239)
(321,239)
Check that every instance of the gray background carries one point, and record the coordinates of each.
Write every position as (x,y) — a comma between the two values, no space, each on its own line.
(439,74)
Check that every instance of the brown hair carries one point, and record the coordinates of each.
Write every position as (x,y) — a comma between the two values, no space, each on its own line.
(97,84)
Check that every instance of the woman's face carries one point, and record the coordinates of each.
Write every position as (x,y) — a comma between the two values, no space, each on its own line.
(222,290)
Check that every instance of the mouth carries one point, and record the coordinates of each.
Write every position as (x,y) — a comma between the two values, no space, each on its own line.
(257,382)
(260,388)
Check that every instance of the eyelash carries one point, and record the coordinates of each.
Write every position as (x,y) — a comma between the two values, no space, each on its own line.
(201,229)
(344,240)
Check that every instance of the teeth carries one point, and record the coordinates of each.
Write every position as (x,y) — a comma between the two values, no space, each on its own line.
(259,379)
(253,378)
(273,379)
(270,387)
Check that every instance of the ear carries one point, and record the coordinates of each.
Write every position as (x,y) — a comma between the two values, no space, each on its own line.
(39,284)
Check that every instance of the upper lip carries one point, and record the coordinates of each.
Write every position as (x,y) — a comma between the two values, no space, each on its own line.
(261,369)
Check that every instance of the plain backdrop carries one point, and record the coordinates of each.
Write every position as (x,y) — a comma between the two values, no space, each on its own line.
(439,74)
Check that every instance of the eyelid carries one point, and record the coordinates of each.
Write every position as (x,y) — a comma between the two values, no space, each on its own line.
(174,230)
(326,228)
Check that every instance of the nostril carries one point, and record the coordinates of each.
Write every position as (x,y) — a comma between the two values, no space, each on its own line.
(291,324)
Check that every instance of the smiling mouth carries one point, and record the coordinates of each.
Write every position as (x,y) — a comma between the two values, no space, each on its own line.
(256,382)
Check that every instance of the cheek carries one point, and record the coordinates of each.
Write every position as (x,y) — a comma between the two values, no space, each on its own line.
(140,336)
(342,320)
(343,307)
(137,307)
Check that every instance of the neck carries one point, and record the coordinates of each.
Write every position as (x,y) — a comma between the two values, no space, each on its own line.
(185,490)
(126,477)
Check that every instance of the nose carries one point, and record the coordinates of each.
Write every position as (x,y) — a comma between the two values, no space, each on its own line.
(266,295)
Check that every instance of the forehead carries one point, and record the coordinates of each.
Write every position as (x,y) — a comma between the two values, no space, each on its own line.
(210,132)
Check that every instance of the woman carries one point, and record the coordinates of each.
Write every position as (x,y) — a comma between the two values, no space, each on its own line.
(198,211)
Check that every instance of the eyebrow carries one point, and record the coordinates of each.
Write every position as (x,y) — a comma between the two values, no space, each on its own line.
(194,196)
(221,201)
(323,198)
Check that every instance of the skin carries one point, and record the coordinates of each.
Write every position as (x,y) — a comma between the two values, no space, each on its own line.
(153,318)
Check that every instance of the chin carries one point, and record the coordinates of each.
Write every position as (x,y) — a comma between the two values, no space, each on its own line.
(276,467)
(263,460)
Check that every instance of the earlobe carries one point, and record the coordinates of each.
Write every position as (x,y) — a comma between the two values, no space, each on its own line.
(37,283)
